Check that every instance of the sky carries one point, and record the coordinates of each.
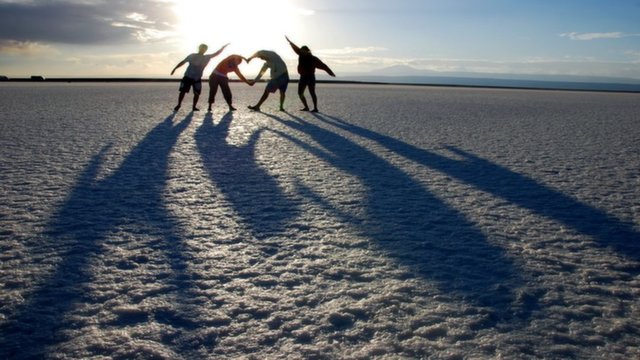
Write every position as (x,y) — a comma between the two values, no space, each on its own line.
(147,38)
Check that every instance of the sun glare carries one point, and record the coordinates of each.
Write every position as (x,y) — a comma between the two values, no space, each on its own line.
(249,25)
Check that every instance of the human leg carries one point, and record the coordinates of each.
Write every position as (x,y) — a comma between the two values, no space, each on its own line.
(283,83)
(180,98)
(213,90)
(197,88)
(314,98)
(226,91)
(301,88)
(195,102)
(264,97)
(282,97)
(185,86)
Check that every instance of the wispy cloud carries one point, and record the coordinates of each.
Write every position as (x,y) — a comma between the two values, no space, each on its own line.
(634,54)
(350,50)
(25,48)
(578,66)
(595,35)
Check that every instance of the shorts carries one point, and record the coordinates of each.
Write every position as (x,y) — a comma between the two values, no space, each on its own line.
(307,80)
(187,83)
(279,83)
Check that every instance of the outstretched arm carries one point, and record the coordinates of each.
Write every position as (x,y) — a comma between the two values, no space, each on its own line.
(237,71)
(219,50)
(177,66)
(322,66)
(262,71)
(293,46)
(252,57)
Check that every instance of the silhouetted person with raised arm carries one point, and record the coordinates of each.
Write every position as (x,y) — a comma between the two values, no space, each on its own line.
(307,65)
(220,78)
(279,77)
(193,75)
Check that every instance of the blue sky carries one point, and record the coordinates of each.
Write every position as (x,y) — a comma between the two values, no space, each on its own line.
(148,37)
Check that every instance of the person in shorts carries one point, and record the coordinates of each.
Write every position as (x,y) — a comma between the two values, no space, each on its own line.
(279,77)
(307,65)
(219,78)
(193,75)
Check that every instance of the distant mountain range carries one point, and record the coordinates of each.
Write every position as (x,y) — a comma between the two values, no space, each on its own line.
(409,75)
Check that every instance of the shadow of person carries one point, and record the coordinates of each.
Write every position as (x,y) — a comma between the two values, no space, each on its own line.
(414,227)
(125,210)
(607,230)
(255,195)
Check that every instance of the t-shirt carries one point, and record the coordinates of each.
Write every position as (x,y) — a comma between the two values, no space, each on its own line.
(229,64)
(197,63)
(307,64)
(274,62)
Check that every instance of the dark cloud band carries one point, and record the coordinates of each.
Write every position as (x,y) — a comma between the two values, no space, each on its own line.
(75,23)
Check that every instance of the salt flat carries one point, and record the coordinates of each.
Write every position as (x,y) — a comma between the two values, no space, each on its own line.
(401,222)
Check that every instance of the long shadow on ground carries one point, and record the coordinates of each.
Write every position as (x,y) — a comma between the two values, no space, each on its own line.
(127,205)
(252,192)
(416,228)
(607,230)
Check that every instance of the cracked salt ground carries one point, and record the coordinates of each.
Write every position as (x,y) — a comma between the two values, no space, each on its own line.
(402,222)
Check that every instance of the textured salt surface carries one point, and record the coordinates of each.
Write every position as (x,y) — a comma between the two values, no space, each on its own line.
(401,222)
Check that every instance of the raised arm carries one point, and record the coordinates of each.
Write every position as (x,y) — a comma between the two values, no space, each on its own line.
(219,50)
(293,46)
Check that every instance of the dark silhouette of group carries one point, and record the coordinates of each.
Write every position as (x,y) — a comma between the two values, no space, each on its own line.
(279,81)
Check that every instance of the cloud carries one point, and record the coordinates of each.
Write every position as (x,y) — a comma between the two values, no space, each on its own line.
(121,64)
(578,66)
(596,36)
(635,55)
(351,50)
(12,47)
(85,22)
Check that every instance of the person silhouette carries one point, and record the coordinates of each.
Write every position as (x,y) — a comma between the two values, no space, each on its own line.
(193,75)
(220,78)
(307,65)
(279,77)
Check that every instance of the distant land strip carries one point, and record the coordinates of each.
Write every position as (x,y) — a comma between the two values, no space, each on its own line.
(558,86)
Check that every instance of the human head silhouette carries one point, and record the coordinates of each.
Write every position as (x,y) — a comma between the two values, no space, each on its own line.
(202,48)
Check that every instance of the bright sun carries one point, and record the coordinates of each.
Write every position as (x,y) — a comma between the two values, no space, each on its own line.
(249,25)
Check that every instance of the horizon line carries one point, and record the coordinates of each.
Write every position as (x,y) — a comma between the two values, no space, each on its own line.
(632,88)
